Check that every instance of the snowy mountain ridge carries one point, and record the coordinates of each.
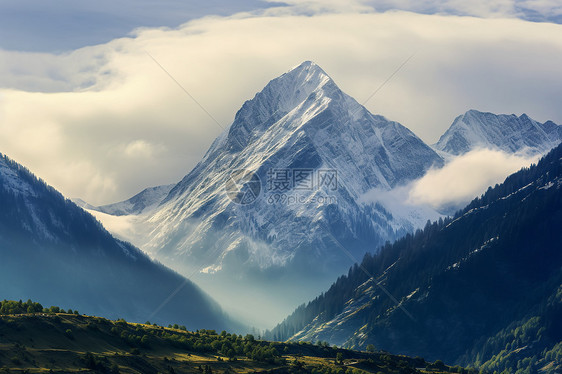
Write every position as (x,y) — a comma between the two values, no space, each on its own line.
(145,200)
(11,180)
(508,133)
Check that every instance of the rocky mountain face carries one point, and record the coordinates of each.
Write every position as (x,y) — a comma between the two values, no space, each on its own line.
(311,152)
(300,126)
(508,133)
(54,252)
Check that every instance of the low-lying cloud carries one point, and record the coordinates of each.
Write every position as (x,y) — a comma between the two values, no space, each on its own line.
(465,177)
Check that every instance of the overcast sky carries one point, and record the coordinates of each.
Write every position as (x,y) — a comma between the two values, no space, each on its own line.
(83,105)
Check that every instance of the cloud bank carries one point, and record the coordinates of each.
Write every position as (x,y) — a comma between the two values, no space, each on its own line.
(103,122)
(444,191)
(465,177)
(45,26)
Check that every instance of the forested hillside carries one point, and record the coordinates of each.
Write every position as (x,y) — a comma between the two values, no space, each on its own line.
(57,341)
(470,283)
(54,252)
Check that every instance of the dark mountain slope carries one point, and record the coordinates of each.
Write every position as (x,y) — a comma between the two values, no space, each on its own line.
(496,264)
(54,252)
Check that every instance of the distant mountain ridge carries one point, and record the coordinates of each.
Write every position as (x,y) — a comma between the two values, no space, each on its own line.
(147,199)
(481,288)
(508,133)
(54,252)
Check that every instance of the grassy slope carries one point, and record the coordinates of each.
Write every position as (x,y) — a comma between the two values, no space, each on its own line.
(66,343)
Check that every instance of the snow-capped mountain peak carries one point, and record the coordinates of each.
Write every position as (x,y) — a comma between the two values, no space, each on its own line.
(301,123)
(509,133)
(279,97)
(297,84)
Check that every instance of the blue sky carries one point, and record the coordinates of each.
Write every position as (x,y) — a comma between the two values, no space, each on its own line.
(62,25)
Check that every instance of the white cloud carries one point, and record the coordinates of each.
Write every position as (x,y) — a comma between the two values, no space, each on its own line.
(407,213)
(465,177)
(140,149)
(45,72)
(80,137)
(123,227)
(38,25)
(442,191)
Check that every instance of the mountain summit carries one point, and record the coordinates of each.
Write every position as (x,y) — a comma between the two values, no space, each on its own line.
(508,133)
(286,92)
(282,95)
(308,152)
